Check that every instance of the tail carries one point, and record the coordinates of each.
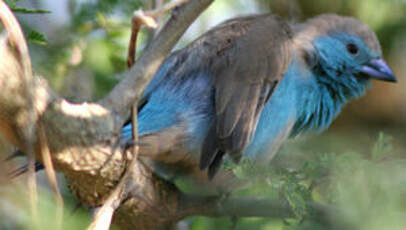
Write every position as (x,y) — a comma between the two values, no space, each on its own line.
(24,168)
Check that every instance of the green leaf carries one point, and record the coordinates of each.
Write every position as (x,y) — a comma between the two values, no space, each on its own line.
(29,11)
(37,37)
(11,3)
(296,196)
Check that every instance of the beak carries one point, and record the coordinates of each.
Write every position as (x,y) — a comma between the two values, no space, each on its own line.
(379,70)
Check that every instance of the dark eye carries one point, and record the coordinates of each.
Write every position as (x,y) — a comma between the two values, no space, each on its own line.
(352,49)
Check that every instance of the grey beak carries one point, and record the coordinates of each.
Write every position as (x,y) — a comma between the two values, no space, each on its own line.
(379,70)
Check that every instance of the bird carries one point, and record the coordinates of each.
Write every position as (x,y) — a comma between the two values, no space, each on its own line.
(227,68)
(247,85)
(244,87)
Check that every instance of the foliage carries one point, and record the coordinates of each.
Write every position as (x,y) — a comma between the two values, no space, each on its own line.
(34,36)
(357,184)
(37,37)
(367,184)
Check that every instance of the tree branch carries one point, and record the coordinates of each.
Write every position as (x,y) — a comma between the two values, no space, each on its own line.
(22,66)
(84,141)
(215,206)
(104,214)
(129,90)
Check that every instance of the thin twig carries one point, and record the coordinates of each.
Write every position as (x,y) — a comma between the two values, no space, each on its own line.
(49,169)
(32,189)
(153,58)
(17,41)
(102,219)
(148,18)
(103,216)
(129,90)
(139,19)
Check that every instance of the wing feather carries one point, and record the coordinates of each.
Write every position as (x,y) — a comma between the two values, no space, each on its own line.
(246,65)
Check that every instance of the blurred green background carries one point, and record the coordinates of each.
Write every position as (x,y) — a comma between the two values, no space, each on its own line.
(359,164)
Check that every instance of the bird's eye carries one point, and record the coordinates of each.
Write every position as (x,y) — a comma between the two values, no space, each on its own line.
(352,49)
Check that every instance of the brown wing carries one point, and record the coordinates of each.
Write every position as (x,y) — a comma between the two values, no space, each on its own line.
(251,58)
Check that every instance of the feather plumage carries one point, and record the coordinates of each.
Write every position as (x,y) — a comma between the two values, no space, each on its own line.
(238,91)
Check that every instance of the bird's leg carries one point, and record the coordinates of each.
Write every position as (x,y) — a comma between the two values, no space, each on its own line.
(50,172)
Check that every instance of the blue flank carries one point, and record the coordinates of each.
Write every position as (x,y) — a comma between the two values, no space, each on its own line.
(171,102)
(307,99)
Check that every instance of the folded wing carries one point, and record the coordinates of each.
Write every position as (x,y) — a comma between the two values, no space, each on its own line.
(250,57)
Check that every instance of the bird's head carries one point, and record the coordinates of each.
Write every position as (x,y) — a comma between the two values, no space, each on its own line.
(344,51)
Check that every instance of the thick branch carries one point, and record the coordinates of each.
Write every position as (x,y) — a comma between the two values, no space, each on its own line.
(129,90)
(215,206)
(83,138)
(85,148)
(15,58)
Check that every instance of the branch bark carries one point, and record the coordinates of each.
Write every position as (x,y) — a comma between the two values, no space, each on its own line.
(84,140)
